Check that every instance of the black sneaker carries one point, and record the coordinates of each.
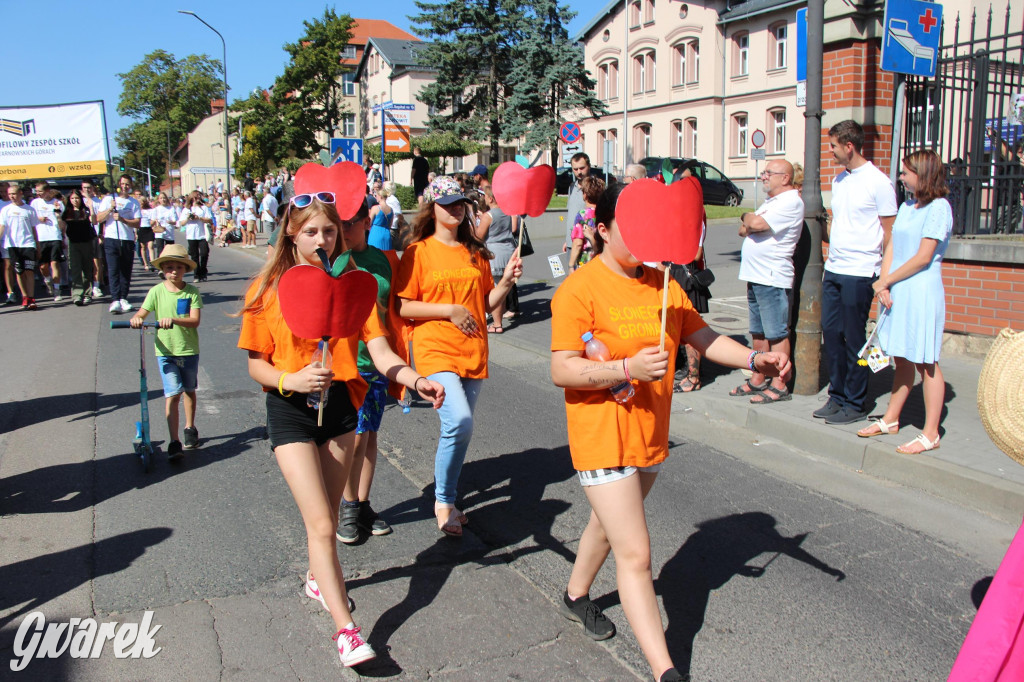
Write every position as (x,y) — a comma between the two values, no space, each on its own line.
(673,675)
(827,410)
(847,415)
(348,528)
(369,521)
(174,450)
(595,624)
(191,438)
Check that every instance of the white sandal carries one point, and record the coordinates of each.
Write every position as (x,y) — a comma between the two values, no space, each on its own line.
(926,445)
(883,428)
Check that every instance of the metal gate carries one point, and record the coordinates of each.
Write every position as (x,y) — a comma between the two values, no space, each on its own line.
(965,114)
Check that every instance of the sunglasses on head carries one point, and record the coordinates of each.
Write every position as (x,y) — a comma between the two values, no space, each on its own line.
(304,200)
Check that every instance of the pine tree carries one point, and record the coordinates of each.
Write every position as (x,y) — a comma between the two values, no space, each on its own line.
(548,80)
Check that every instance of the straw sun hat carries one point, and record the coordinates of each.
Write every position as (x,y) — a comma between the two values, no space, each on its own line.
(1001,393)
(174,253)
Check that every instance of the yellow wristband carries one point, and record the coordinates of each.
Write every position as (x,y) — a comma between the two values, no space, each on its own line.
(280,386)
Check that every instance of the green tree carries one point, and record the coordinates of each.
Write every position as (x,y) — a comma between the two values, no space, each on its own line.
(472,49)
(258,110)
(548,78)
(251,159)
(167,97)
(308,95)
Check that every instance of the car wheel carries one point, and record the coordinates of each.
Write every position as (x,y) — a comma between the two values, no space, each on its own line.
(732,200)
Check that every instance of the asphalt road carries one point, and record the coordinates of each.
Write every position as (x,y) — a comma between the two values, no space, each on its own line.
(770,565)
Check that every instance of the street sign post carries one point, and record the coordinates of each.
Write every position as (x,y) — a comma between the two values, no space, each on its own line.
(346,149)
(913,30)
(757,154)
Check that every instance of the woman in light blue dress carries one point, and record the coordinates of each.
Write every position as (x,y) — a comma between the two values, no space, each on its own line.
(380,224)
(910,285)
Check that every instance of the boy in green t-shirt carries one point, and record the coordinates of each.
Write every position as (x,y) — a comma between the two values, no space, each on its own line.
(177,306)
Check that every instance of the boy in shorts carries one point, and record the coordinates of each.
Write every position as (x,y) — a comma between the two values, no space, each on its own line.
(177,307)
(18,222)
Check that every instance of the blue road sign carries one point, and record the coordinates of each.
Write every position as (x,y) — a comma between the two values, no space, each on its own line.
(801,44)
(569,132)
(346,149)
(913,30)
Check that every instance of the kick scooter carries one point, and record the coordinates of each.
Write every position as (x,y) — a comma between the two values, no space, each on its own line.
(142,445)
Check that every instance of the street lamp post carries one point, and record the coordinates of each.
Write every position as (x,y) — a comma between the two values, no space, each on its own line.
(227,149)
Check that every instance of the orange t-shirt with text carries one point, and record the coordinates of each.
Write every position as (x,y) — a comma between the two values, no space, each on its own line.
(625,314)
(434,272)
(265,331)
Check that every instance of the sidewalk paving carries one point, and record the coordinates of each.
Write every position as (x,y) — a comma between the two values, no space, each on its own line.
(967,468)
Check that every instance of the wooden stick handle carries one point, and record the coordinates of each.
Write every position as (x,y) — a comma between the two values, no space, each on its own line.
(320,412)
(664,307)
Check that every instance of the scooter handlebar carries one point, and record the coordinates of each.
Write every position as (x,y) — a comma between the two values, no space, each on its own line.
(124,324)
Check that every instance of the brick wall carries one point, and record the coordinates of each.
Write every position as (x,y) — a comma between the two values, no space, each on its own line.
(983,298)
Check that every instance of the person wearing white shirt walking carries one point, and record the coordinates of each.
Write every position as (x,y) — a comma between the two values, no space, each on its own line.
(120,216)
(863,211)
(268,211)
(51,237)
(165,217)
(250,217)
(18,223)
(770,236)
(196,218)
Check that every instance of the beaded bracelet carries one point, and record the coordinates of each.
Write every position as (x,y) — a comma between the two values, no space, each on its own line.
(625,369)
(750,359)
(280,386)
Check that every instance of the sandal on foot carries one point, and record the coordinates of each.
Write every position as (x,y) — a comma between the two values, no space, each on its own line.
(771,395)
(922,441)
(494,329)
(450,525)
(878,427)
(687,385)
(747,388)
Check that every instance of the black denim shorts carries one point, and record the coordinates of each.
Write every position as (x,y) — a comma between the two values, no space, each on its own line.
(290,420)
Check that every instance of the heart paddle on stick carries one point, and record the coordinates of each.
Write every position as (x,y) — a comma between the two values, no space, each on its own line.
(523,191)
(662,223)
(345,179)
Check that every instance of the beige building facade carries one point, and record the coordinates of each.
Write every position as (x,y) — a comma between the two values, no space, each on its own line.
(203,148)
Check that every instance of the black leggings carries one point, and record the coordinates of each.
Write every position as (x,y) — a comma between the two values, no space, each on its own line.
(199,251)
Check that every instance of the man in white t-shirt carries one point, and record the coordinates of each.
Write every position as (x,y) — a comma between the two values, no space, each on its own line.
(18,223)
(51,237)
(863,211)
(268,212)
(120,216)
(6,261)
(770,235)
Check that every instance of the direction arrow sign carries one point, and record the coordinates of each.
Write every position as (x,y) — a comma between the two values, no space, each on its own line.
(346,149)
(570,150)
(913,30)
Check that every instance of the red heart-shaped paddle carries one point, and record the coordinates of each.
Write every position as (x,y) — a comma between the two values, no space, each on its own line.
(660,223)
(345,179)
(316,305)
(521,190)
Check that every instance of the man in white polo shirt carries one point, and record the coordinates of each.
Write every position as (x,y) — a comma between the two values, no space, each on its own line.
(863,211)
(120,215)
(766,265)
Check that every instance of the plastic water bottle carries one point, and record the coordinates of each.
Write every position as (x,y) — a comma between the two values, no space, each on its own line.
(596,350)
(406,403)
(321,358)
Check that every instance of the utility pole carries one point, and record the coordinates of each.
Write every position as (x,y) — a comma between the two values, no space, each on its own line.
(807,352)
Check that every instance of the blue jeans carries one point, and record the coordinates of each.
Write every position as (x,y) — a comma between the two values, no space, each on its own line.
(845,306)
(769,311)
(456,430)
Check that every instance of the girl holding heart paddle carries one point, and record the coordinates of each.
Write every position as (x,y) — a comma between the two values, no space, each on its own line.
(618,449)
(445,287)
(316,461)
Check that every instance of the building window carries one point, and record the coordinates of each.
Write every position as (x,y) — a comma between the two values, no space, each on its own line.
(691,138)
(602,82)
(348,52)
(678,64)
(676,138)
(693,61)
(348,85)
(348,125)
(642,140)
(634,14)
(613,145)
(599,157)
(648,11)
(778,41)
(457,164)
(613,80)
(644,74)
(777,124)
(739,126)
(741,55)
(919,126)
(607,77)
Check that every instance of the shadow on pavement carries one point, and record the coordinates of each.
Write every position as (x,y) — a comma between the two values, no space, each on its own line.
(720,549)
(36,581)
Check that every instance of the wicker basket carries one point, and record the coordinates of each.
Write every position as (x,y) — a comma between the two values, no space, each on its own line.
(1001,394)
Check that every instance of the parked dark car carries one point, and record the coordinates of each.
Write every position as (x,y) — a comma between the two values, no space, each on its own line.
(563,178)
(718,189)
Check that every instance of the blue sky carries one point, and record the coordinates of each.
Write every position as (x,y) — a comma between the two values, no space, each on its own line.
(72,51)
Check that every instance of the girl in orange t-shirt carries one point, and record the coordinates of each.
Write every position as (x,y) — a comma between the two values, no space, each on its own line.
(316,460)
(616,449)
(445,287)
